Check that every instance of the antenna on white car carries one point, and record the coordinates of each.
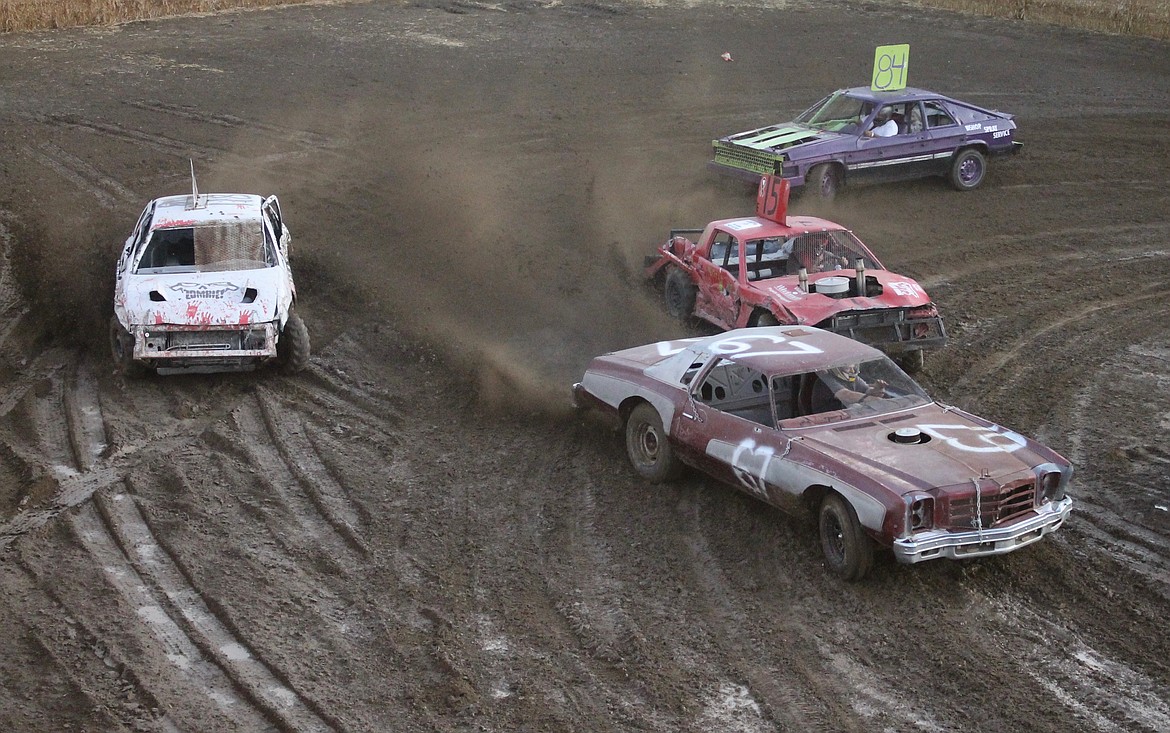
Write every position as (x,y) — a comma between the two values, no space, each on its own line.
(194,186)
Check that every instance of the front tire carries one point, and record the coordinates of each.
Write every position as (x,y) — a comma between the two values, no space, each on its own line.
(824,180)
(292,350)
(766,319)
(968,169)
(680,294)
(122,349)
(848,549)
(912,361)
(649,447)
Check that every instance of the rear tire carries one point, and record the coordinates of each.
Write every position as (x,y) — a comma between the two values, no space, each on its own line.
(968,169)
(122,349)
(649,447)
(824,181)
(848,549)
(680,294)
(292,350)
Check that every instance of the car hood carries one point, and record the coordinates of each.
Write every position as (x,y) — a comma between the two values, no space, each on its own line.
(203,299)
(787,136)
(956,448)
(897,291)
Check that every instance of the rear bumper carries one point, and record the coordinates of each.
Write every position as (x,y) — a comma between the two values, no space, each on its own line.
(174,346)
(1001,540)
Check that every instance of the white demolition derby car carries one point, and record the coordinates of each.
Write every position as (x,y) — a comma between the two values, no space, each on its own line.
(204,284)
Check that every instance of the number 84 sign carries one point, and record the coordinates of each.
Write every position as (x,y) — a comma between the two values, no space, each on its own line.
(890,66)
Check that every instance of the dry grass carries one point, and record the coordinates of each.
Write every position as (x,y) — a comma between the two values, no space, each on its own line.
(1149,18)
(23,15)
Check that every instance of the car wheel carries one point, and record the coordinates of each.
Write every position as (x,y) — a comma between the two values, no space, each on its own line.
(824,180)
(968,169)
(122,349)
(649,447)
(292,350)
(766,319)
(911,361)
(848,549)
(680,294)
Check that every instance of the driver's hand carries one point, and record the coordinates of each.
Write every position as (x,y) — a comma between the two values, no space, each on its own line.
(878,388)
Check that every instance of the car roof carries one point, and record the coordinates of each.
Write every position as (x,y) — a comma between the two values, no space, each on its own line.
(176,211)
(770,350)
(908,94)
(755,227)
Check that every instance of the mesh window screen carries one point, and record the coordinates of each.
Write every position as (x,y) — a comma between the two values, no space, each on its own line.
(226,243)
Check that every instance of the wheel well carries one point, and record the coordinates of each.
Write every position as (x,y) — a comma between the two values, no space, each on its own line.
(814,495)
(977,145)
(627,406)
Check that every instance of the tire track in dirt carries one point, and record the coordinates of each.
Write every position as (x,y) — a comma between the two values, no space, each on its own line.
(797,697)
(108,192)
(304,522)
(306,138)
(114,131)
(116,534)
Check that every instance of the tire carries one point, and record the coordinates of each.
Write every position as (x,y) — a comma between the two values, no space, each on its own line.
(824,181)
(648,446)
(122,349)
(680,294)
(766,319)
(911,361)
(968,169)
(292,350)
(848,549)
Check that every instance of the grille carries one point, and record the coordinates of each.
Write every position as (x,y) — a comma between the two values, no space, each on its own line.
(203,340)
(998,506)
(745,158)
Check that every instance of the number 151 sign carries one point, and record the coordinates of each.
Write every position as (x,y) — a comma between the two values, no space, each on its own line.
(890,65)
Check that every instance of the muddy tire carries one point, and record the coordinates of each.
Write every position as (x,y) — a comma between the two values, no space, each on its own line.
(911,361)
(292,350)
(968,169)
(648,446)
(848,549)
(766,319)
(680,294)
(122,349)
(823,181)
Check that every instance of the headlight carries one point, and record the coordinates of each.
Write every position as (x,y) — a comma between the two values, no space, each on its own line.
(921,514)
(1050,487)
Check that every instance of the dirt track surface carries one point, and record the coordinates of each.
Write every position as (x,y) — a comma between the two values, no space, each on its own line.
(417,533)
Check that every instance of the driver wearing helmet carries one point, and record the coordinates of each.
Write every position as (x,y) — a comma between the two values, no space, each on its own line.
(884,124)
(848,387)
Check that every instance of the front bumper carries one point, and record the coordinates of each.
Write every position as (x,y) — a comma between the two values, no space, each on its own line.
(166,345)
(891,330)
(934,544)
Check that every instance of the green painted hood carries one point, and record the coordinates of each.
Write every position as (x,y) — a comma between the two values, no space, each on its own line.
(775,137)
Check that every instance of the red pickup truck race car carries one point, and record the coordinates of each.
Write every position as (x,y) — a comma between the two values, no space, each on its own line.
(774,269)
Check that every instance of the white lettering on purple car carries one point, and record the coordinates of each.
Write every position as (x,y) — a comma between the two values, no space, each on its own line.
(983,440)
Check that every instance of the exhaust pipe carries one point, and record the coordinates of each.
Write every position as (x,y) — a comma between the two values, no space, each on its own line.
(859,266)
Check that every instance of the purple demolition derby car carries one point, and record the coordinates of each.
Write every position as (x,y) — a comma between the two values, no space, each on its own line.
(858,135)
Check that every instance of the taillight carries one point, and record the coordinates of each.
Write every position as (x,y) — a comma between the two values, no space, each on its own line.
(921,514)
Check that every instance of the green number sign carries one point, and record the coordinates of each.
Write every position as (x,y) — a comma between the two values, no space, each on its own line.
(890,64)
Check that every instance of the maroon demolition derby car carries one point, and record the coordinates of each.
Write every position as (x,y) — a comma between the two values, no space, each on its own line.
(774,269)
(807,420)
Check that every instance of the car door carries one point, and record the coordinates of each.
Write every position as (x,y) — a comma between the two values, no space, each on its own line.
(718,274)
(271,208)
(943,132)
(902,156)
(700,422)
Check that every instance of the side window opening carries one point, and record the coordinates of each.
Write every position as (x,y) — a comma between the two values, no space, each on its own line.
(768,257)
(737,390)
(937,116)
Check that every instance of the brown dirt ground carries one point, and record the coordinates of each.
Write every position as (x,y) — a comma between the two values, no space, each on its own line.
(417,533)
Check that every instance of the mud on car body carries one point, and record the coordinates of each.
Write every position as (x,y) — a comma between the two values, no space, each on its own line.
(774,269)
(810,421)
(832,144)
(204,283)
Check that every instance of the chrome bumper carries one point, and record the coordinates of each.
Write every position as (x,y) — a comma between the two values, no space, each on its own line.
(956,545)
